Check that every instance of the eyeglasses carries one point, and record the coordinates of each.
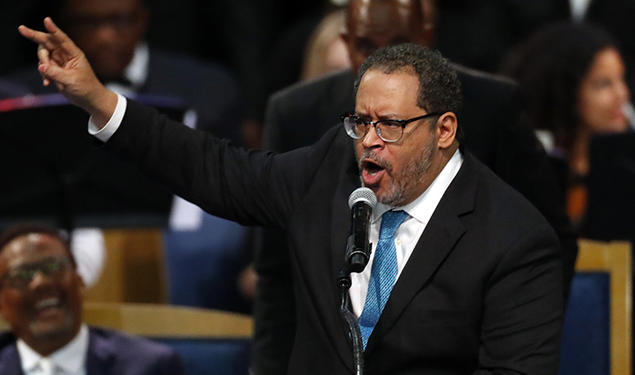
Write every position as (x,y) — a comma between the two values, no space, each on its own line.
(20,277)
(388,130)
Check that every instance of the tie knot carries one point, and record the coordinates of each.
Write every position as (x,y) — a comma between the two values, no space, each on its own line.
(390,221)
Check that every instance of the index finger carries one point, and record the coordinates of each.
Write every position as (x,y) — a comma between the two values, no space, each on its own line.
(53,39)
(33,35)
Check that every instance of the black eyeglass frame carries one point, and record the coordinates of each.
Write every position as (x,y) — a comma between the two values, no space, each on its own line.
(21,276)
(389,122)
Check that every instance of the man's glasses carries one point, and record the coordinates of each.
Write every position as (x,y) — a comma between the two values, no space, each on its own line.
(20,277)
(388,130)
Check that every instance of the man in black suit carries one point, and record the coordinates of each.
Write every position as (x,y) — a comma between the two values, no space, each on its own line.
(491,123)
(41,299)
(469,280)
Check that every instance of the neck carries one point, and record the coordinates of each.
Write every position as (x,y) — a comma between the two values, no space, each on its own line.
(47,345)
(444,156)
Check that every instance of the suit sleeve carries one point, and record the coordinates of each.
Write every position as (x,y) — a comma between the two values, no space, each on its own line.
(522,317)
(271,130)
(250,187)
(274,307)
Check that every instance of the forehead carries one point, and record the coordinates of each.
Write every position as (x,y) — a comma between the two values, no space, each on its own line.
(383,18)
(387,93)
(101,7)
(30,247)
(606,62)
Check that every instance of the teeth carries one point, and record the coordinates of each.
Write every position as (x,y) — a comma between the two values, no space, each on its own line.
(48,302)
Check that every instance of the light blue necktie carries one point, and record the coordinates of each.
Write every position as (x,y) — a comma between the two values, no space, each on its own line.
(383,273)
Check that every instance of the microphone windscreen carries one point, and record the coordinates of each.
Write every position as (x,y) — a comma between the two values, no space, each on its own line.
(362,194)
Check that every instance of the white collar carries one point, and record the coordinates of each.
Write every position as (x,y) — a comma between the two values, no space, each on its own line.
(423,207)
(136,72)
(70,357)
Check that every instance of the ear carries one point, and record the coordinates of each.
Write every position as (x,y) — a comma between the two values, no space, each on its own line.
(447,126)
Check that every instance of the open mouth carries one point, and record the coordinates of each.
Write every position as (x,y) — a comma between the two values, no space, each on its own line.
(47,306)
(371,166)
(372,172)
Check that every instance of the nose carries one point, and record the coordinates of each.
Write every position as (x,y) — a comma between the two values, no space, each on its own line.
(105,32)
(39,279)
(371,139)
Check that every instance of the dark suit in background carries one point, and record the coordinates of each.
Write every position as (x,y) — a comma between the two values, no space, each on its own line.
(204,87)
(482,289)
(300,114)
(109,353)
(478,33)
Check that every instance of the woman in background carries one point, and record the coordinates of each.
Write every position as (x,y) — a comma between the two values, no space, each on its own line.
(572,76)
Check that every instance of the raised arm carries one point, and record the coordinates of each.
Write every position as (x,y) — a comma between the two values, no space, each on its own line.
(63,63)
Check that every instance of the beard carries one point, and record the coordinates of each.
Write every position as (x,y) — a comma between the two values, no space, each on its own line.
(405,180)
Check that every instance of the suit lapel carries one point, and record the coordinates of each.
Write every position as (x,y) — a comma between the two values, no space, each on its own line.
(436,243)
(10,360)
(100,356)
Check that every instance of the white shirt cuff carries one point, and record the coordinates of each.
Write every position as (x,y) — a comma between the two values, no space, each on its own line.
(112,125)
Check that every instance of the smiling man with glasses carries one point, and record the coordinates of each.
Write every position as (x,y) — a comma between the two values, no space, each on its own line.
(465,276)
(41,299)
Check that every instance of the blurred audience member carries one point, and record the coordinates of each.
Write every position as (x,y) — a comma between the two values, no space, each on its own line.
(614,16)
(573,78)
(326,51)
(41,299)
(111,33)
(479,33)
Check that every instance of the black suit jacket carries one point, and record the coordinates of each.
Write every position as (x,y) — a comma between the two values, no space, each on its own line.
(480,294)
(490,121)
(109,353)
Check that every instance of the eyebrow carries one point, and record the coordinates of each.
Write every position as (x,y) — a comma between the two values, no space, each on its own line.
(388,116)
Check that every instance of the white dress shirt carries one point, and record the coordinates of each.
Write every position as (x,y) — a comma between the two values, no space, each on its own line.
(407,235)
(579,9)
(136,72)
(68,360)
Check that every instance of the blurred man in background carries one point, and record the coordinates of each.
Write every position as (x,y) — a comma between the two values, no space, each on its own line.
(41,299)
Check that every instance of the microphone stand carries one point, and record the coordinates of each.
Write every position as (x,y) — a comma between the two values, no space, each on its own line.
(356,260)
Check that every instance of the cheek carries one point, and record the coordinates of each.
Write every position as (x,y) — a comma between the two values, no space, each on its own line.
(11,306)
(600,110)
(359,149)
(594,106)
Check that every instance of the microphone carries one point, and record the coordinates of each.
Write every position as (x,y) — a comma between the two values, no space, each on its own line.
(362,201)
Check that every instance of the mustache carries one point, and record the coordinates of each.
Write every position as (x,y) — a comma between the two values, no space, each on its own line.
(370,155)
